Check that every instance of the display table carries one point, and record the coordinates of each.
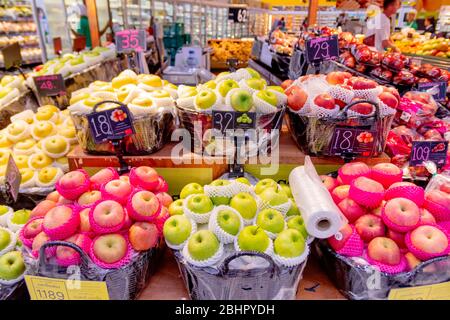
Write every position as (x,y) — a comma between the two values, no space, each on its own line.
(204,170)
(167,284)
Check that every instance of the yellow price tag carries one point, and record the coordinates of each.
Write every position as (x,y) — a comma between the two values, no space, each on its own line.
(41,288)
(440,291)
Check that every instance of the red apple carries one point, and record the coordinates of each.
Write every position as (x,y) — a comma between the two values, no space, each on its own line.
(364,84)
(107,214)
(110,248)
(324,100)
(297,98)
(389,99)
(398,237)
(438,197)
(369,226)
(426,217)
(346,232)
(33,228)
(350,171)
(103,176)
(392,91)
(384,250)
(53,196)
(429,239)
(144,177)
(351,210)
(72,180)
(377,211)
(143,236)
(335,78)
(286,84)
(402,213)
(143,206)
(340,193)
(362,108)
(412,261)
(89,197)
(386,174)
(164,198)
(85,225)
(42,208)
(119,189)
(329,182)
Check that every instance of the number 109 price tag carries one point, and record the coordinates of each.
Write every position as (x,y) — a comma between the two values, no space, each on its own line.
(322,49)
(435,151)
(110,124)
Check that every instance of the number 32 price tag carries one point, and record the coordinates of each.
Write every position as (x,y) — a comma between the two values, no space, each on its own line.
(110,124)
(435,151)
(322,49)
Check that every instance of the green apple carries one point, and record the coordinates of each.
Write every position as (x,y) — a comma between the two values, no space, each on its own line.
(289,244)
(297,223)
(293,210)
(11,265)
(5,239)
(264,184)
(267,96)
(191,188)
(229,221)
(4,210)
(253,238)
(274,197)
(200,203)
(203,245)
(5,91)
(241,100)
(220,200)
(205,99)
(92,54)
(256,84)
(243,180)
(253,73)
(245,204)
(270,220)
(21,216)
(226,85)
(211,84)
(176,207)
(275,88)
(286,189)
(177,229)
(76,61)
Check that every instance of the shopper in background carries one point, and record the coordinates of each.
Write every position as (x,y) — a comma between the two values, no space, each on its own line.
(341,20)
(411,19)
(430,25)
(282,24)
(378,32)
(80,23)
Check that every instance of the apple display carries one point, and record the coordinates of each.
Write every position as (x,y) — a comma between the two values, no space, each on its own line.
(89,197)
(264,184)
(203,245)
(273,197)
(245,204)
(340,193)
(297,98)
(324,100)
(253,238)
(60,222)
(351,210)
(117,189)
(225,86)
(42,208)
(199,204)
(430,240)
(205,99)
(176,207)
(366,192)
(105,175)
(406,190)
(350,171)
(289,243)
(107,217)
(217,200)
(298,223)
(386,174)
(241,100)
(339,242)
(144,177)
(143,206)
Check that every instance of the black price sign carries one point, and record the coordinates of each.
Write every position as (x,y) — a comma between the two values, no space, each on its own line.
(437,89)
(322,49)
(232,120)
(239,15)
(131,40)
(12,56)
(111,124)
(12,182)
(435,151)
(347,140)
(50,85)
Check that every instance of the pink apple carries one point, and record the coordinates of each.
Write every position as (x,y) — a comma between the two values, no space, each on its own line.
(340,193)
(144,177)
(57,217)
(38,241)
(412,261)
(369,226)
(107,214)
(389,99)
(85,225)
(143,236)
(426,217)
(401,214)
(329,182)
(42,208)
(119,189)
(438,197)
(69,255)
(377,211)
(398,237)
(72,180)
(33,228)
(89,197)
(445,187)
(350,171)
(429,239)
(53,196)
(164,198)
(386,174)
(384,250)
(366,192)
(346,232)
(351,210)
(162,186)
(110,248)
(103,176)
(145,204)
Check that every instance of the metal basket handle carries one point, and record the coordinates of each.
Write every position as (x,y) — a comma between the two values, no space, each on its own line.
(85,260)
(119,104)
(377,108)
(273,268)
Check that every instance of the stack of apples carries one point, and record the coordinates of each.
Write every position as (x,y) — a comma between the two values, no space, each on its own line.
(39,143)
(12,266)
(109,217)
(241,91)
(11,86)
(334,91)
(210,222)
(393,225)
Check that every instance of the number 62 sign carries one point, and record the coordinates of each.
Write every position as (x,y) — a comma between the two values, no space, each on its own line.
(131,40)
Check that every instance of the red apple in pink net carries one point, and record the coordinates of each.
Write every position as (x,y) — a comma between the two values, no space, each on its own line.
(389,99)
(366,192)
(110,248)
(364,84)
(386,174)
(38,241)
(411,260)
(384,250)
(439,197)
(53,196)
(119,189)
(329,182)
(369,226)
(103,176)
(89,197)
(324,100)
(33,228)
(335,78)
(401,214)
(350,171)
(42,208)
(164,198)
(143,206)
(69,255)
(162,186)
(143,236)
(85,225)
(340,193)
(144,177)
(107,214)
(426,217)
(351,210)
(57,217)
(429,239)
(337,243)
(72,180)
(378,210)
(398,237)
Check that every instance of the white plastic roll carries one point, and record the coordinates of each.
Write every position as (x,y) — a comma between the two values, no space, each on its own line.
(322,217)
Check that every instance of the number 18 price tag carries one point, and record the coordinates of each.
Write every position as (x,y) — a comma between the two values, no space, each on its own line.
(110,124)
(435,151)
(352,141)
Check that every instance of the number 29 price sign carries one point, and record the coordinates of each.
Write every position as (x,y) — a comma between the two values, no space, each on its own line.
(131,40)
(322,49)
(110,124)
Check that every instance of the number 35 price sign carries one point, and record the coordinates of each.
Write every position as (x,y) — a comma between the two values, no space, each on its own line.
(131,40)
(322,49)
(435,151)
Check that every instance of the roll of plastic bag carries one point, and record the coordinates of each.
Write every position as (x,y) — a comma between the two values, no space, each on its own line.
(322,217)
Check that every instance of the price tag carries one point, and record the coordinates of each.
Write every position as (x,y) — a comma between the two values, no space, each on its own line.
(435,151)
(50,85)
(111,124)
(440,291)
(12,56)
(353,141)
(79,44)
(231,120)
(437,89)
(405,116)
(322,49)
(57,45)
(131,40)
(12,181)
(41,288)
(239,15)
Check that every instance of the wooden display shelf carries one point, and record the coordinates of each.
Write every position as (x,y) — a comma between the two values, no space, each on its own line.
(167,284)
(181,170)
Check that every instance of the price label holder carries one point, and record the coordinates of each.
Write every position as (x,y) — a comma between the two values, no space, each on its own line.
(322,49)
(12,56)
(79,44)
(131,40)
(352,142)
(57,46)
(239,15)
(12,182)
(232,120)
(435,151)
(42,288)
(50,85)
(439,291)
(437,89)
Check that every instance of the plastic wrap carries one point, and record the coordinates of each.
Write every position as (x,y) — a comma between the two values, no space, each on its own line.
(26,101)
